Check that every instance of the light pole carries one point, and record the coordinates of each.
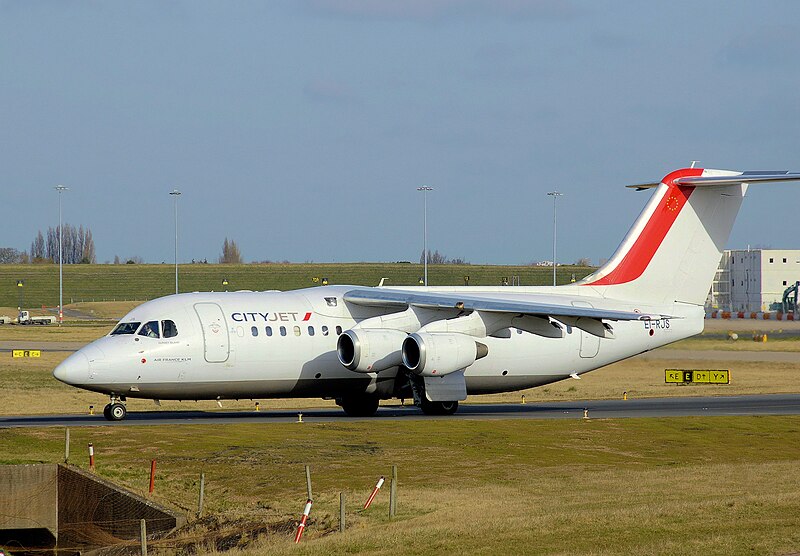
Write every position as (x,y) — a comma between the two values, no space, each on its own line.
(425,190)
(175,193)
(555,195)
(60,188)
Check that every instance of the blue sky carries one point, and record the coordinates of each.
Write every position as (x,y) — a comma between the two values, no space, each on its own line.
(301,129)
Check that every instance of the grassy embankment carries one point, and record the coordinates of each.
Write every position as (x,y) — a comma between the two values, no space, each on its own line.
(716,485)
(142,282)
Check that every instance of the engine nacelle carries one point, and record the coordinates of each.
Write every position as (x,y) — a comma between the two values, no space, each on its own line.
(438,354)
(370,350)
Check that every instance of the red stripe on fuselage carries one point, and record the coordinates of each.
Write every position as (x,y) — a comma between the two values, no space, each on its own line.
(644,248)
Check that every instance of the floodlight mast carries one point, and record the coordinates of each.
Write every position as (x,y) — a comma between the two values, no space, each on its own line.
(175,193)
(425,190)
(555,195)
(60,188)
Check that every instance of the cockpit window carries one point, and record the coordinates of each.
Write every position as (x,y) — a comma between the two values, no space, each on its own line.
(169,329)
(150,329)
(125,328)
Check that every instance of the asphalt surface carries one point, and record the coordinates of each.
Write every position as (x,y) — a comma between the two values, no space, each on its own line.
(773,404)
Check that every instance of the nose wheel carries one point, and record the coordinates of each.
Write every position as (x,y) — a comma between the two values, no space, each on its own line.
(115,411)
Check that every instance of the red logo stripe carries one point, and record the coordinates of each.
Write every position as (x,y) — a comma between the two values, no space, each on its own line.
(644,248)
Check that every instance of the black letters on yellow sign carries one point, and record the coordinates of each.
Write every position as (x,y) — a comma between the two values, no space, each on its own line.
(697,376)
(26,353)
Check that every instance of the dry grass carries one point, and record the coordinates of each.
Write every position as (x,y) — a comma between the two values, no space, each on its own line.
(29,388)
(716,485)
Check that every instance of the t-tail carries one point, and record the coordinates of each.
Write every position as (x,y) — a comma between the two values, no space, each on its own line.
(672,252)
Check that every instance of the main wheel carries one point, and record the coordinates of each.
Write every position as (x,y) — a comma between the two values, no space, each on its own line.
(117,412)
(107,411)
(360,406)
(438,408)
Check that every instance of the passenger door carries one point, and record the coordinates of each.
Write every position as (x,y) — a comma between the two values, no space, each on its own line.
(215,332)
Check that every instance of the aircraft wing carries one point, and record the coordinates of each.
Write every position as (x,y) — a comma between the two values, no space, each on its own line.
(378,297)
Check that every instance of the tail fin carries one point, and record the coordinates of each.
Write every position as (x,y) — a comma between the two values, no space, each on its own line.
(673,249)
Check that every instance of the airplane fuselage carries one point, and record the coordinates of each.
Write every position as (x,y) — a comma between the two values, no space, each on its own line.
(245,345)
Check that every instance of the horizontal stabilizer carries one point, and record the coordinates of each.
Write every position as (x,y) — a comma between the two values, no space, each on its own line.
(744,177)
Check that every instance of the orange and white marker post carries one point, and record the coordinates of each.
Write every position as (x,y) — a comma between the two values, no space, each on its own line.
(374,492)
(91,456)
(152,476)
(302,525)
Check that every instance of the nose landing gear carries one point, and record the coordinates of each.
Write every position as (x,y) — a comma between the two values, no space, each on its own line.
(116,410)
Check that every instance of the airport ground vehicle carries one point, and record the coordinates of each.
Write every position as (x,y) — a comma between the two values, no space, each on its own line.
(25,317)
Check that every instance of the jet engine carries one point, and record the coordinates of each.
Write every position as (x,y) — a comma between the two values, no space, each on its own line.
(370,350)
(438,354)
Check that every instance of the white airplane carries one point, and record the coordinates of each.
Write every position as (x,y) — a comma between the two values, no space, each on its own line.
(359,345)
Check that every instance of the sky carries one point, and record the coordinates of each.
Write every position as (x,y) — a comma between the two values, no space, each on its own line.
(301,129)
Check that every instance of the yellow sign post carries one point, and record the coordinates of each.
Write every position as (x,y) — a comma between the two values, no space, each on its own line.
(697,376)
(26,353)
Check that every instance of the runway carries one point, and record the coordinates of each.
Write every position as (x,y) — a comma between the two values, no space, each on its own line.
(774,404)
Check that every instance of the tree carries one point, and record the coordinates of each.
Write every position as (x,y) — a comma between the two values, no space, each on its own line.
(9,255)
(583,261)
(77,246)
(230,253)
(434,257)
(37,248)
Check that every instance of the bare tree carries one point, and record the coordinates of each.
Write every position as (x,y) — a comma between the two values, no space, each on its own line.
(77,245)
(9,255)
(440,258)
(230,253)
(37,248)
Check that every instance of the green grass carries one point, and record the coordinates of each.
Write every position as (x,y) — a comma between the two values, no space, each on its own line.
(141,282)
(745,343)
(718,485)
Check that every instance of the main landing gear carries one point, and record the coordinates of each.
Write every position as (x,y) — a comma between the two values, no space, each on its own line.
(437,408)
(116,410)
(359,406)
(417,387)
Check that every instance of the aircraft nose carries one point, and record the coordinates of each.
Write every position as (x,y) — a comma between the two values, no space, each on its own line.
(73,370)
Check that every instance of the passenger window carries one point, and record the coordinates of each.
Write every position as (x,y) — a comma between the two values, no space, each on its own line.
(338,330)
(296,330)
(283,331)
(169,329)
(310,330)
(269,331)
(324,330)
(150,329)
(254,330)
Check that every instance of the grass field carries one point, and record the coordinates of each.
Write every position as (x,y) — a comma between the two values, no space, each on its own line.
(714,485)
(142,282)
(633,486)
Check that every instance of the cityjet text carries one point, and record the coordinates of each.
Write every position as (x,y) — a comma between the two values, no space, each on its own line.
(256,316)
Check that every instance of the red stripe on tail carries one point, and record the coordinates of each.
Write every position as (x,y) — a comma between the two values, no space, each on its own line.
(644,248)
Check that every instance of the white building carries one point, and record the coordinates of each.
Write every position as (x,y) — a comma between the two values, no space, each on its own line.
(754,280)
